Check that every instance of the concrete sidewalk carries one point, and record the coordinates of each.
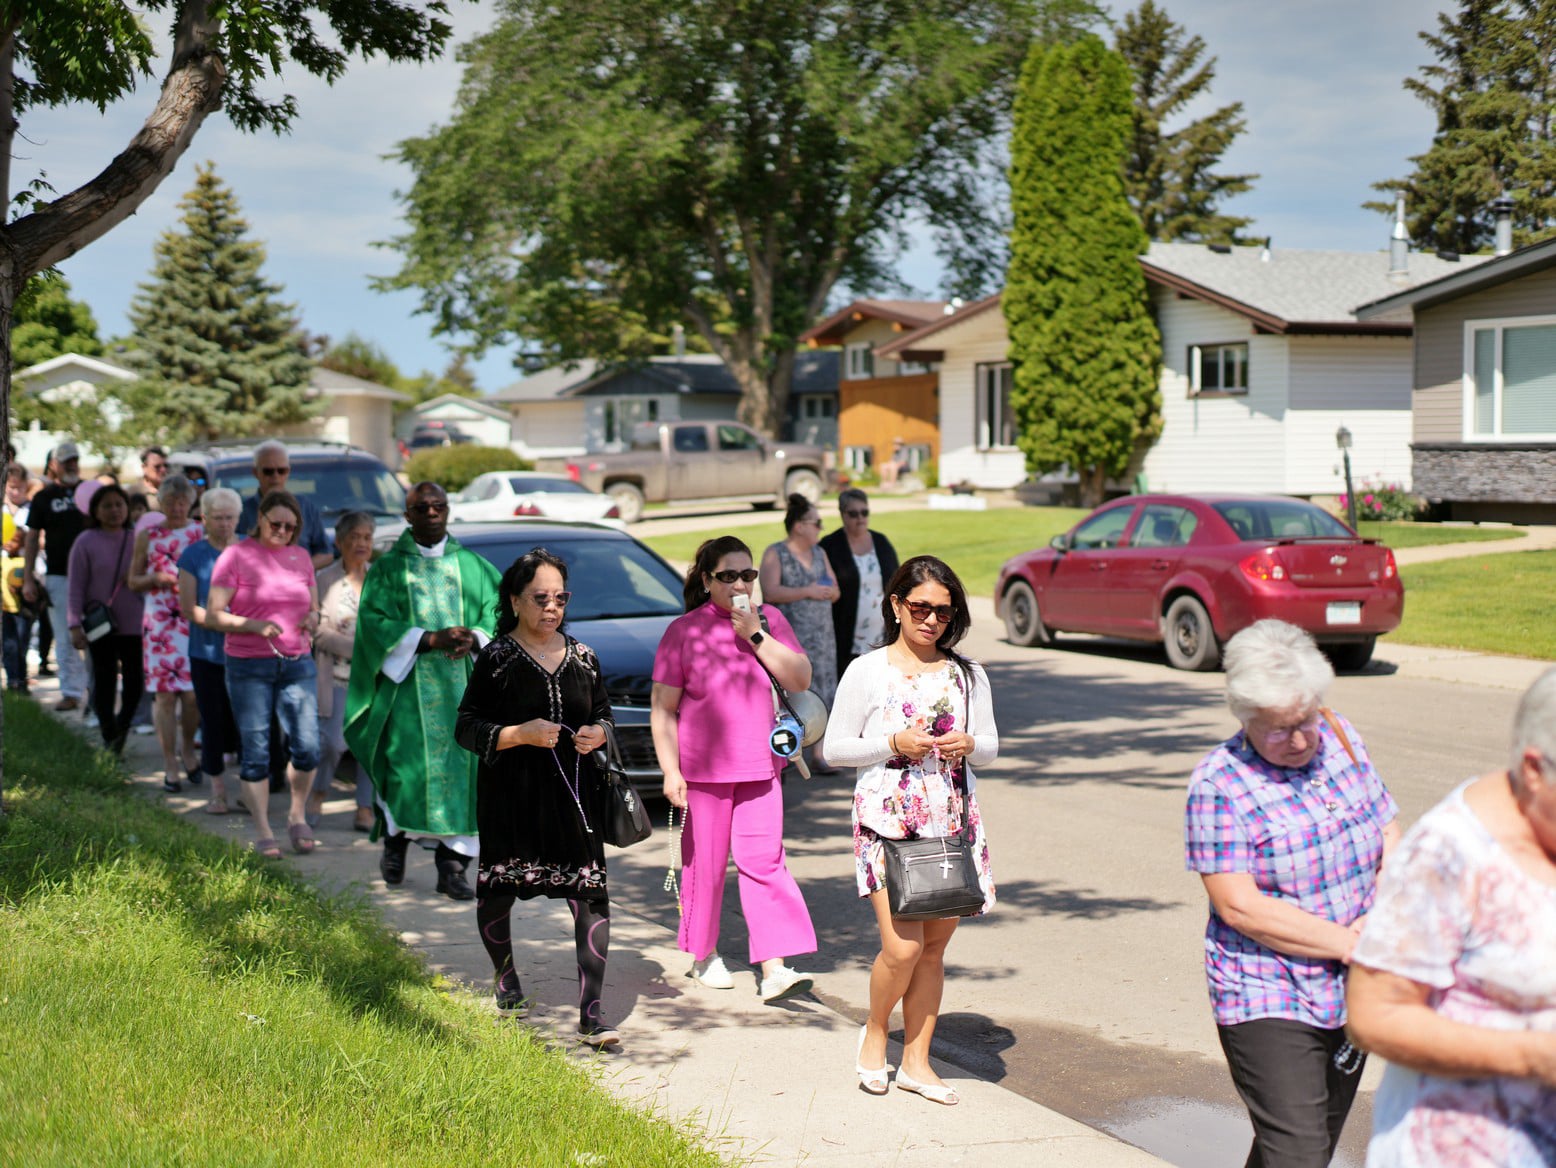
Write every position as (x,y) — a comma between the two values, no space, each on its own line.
(768,1084)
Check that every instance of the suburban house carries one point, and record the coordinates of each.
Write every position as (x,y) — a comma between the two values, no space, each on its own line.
(356,411)
(1264,359)
(1483,436)
(588,406)
(485,423)
(881,399)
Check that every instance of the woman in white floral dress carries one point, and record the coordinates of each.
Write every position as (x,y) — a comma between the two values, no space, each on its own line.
(912,717)
(165,629)
(1453,979)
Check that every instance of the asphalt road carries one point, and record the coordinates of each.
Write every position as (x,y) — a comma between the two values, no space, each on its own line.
(1084,990)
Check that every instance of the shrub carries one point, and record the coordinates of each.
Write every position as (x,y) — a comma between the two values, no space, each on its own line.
(868,477)
(929,474)
(454,467)
(1385,501)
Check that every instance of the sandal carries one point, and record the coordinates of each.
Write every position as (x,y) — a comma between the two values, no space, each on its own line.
(873,1079)
(302,837)
(267,849)
(934,1092)
(217,807)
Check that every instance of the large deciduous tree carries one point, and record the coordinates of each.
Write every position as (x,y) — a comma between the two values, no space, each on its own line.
(218,353)
(49,322)
(616,166)
(1085,351)
(1169,171)
(218,56)
(1493,90)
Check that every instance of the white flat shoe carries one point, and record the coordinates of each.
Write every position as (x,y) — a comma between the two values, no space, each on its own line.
(712,972)
(873,1079)
(785,983)
(937,1093)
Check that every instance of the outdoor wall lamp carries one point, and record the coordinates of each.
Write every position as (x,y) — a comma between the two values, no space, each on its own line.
(1342,439)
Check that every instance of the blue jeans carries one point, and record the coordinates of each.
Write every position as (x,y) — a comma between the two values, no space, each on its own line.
(18,632)
(261,686)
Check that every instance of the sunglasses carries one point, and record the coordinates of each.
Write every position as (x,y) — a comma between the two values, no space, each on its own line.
(427,508)
(542,599)
(729,576)
(283,527)
(919,611)
(275,470)
(858,513)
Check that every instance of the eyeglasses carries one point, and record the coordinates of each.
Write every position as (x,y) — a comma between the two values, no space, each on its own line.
(808,522)
(857,513)
(1282,734)
(919,611)
(427,508)
(542,599)
(729,575)
(275,470)
(283,527)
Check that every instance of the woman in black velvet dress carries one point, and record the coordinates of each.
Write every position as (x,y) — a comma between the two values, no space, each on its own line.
(535,712)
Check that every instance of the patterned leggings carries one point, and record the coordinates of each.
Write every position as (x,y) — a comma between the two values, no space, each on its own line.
(591,937)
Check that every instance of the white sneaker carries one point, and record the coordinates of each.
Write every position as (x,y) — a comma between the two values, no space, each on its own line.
(785,983)
(712,973)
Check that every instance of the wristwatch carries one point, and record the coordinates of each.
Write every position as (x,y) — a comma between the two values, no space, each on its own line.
(757,638)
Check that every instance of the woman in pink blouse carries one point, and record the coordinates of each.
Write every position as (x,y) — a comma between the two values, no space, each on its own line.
(1454,978)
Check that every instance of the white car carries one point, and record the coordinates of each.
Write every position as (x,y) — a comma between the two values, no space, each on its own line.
(508,494)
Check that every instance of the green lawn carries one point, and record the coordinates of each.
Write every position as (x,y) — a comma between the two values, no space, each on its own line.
(1493,604)
(169,999)
(976,543)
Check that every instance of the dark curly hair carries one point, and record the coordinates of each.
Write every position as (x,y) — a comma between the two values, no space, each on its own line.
(703,563)
(930,569)
(799,507)
(516,579)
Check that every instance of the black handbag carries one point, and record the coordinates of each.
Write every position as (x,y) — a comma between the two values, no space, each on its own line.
(929,879)
(97,618)
(626,819)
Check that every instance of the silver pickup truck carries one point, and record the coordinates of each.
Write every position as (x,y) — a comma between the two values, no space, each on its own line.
(673,462)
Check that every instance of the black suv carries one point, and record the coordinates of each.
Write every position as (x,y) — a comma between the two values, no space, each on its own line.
(336,476)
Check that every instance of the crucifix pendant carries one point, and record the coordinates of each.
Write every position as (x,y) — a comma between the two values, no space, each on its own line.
(945,865)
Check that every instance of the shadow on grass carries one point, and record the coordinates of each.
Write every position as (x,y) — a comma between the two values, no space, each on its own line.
(73,824)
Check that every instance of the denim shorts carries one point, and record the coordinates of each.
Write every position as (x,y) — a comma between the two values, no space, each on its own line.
(260,686)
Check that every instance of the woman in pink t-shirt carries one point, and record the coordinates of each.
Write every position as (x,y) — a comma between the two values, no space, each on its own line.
(264,597)
(712,715)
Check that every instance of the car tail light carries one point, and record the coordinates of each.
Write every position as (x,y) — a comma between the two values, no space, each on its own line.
(1263,566)
(526,509)
(1390,568)
(574,473)
(614,512)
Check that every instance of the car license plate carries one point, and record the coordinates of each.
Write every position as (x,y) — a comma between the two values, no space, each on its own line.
(1345,612)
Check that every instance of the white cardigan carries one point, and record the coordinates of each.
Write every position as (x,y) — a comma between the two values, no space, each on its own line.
(857,733)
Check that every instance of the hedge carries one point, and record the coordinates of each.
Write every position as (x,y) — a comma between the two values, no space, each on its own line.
(455,467)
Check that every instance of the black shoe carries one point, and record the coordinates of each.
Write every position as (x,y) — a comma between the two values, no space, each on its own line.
(392,863)
(452,882)
(512,1004)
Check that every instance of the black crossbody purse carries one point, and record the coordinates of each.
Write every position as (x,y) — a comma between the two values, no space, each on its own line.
(97,618)
(626,819)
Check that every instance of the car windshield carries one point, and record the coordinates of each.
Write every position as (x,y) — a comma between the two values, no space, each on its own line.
(335,487)
(545,486)
(609,578)
(1281,519)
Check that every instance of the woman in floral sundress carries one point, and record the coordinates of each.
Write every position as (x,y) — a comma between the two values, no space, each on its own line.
(165,629)
(911,717)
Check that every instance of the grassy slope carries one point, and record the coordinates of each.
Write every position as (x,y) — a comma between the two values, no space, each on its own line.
(168,999)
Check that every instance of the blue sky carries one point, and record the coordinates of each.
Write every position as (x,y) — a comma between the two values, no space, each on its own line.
(1320,81)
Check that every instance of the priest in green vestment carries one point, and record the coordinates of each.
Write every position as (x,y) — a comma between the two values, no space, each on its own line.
(426,606)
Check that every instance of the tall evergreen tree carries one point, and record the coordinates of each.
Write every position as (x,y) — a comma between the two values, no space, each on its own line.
(1493,90)
(1169,175)
(218,352)
(1086,351)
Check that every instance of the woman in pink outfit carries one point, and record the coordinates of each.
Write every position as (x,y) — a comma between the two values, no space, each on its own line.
(712,715)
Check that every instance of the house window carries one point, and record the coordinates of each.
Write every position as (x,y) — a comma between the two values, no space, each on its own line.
(816,406)
(1510,378)
(623,413)
(1218,368)
(996,420)
(860,360)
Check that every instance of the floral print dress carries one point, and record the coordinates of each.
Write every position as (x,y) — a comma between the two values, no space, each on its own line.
(919,799)
(164,630)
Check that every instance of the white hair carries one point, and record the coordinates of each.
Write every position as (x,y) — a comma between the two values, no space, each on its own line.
(221,499)
(1272,665)
(271,446)
(173,487)
(1534,726)
(352,521)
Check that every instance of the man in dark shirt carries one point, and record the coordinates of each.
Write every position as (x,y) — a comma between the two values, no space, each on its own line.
(273,469)
(54,522)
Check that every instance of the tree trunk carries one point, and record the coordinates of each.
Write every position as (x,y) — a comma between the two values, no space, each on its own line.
(1093,486)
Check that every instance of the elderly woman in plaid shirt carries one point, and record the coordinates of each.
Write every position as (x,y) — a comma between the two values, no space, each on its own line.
(1287,824)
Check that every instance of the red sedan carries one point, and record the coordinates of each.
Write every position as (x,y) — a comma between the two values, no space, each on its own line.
(1191,570)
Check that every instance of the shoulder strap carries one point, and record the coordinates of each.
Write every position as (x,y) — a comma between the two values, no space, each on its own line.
(1327,715)
(119,583)
(778,690)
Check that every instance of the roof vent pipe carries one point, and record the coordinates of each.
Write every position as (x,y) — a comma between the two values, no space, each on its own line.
(1502,208)
(1399,241)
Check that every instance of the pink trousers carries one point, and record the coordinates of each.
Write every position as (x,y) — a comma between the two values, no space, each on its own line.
(746,819)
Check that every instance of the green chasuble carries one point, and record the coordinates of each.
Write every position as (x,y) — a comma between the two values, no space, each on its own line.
(404,732)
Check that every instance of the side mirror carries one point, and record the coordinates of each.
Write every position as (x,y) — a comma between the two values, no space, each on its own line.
(1060,543)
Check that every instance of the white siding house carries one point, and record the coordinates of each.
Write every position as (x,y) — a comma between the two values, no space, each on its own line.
(488,425)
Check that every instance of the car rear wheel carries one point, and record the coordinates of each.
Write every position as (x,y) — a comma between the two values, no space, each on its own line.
(1023,622)
(1190,639)
(628,500)
(1352,656)
(803,482)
